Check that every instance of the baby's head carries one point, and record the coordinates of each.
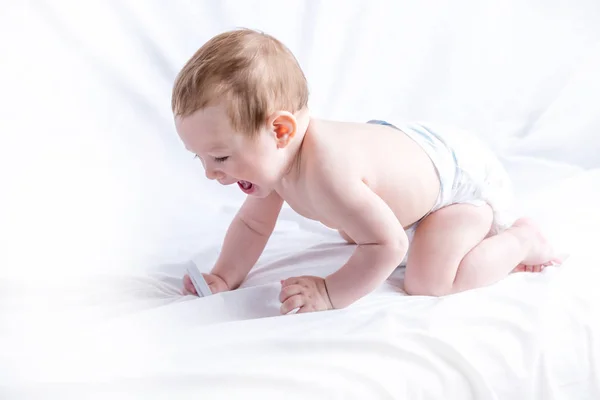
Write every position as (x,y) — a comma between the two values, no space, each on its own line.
(239,103)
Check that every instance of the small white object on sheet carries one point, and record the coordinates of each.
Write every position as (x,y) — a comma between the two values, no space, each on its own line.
(202,289)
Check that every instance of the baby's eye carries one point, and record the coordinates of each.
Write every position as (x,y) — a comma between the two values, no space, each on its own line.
(221,159)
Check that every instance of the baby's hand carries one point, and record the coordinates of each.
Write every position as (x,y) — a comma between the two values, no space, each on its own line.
(214,282)
(308,293)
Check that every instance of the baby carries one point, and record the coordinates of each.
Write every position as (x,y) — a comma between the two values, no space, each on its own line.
(240,105)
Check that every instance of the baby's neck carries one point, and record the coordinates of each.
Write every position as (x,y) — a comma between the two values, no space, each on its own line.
(294,148)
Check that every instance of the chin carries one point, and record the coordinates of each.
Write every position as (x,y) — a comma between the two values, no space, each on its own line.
(261,193)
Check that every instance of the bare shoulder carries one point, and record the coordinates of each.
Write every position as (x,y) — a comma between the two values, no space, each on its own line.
(330,154)
(346,150)
(334,179)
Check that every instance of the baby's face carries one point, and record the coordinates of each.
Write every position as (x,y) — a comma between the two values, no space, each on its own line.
(228,156)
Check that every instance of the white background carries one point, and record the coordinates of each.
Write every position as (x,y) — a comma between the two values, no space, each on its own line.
(93,177)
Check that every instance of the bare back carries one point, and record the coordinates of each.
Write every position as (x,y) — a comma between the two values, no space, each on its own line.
(389,162)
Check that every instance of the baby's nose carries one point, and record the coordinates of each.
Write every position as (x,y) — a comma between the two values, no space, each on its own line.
(212,174)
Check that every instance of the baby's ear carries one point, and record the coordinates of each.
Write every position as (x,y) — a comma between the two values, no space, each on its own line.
(283,125)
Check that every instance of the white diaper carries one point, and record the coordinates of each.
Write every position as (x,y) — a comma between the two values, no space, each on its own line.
(469,171)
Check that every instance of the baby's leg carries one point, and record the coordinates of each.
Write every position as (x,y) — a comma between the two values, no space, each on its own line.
(450,252)
(345,236)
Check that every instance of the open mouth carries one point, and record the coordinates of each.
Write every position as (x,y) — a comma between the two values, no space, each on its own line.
(247,187)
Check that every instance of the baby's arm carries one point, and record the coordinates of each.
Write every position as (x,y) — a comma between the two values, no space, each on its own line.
(382,243)
(246,238)
(367,219)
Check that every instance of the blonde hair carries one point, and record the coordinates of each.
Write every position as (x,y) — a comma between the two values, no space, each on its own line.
(253,73)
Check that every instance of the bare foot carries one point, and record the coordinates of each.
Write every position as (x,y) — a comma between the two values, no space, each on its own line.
(531,268)
(540,253)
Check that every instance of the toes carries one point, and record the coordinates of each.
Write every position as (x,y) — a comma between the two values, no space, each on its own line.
(529,268)
(559,259)
(552,263)
(533,268)
(519,268)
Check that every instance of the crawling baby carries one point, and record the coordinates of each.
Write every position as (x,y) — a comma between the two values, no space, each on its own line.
(428,197)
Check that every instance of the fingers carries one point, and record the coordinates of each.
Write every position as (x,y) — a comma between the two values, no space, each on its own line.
(291,281)
(215,283)
(289,291)
(293,302)
(212,283)
(306,309)
(291,295)
(188,286)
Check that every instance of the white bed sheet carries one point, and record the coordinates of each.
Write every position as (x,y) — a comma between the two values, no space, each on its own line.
(531,336)
(103,205)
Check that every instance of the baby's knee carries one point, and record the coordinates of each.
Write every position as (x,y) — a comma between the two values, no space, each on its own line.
(417,286)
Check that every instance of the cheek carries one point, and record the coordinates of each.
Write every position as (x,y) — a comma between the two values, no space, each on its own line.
(255,170)
(242,169)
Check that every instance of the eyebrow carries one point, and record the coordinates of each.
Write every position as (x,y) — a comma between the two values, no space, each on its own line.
(217,148)
(210,150)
